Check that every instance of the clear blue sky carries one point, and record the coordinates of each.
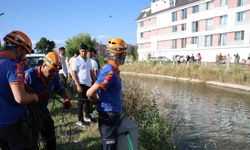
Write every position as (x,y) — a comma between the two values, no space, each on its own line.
(60,20)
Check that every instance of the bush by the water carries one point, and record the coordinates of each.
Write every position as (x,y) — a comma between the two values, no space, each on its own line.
(154,130)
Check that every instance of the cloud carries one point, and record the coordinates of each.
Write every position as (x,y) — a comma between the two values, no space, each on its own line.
(103,38)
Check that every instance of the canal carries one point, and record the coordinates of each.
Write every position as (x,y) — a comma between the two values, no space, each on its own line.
(208,117)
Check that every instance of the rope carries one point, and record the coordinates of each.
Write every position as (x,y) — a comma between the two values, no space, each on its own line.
(130,145)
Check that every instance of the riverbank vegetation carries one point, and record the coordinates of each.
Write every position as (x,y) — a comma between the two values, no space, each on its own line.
(208,72)
(154,131)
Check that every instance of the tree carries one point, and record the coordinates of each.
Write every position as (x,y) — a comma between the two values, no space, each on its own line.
(132,52)
(1,45)
(73,44)
(45,46)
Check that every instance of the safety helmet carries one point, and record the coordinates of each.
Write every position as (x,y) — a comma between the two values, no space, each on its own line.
(19,38)
(53,60)
(116,45)
(116,50)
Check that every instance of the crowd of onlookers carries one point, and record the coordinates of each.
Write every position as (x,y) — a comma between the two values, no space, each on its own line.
(227,59)
(177,59)
(220,59)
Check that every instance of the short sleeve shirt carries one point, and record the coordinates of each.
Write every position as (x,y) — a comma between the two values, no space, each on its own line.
(110,94)
(11,73)
(94,64)
(34,79)
(82,69)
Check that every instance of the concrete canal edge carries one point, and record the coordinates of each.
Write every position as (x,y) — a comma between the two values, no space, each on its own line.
(214,83)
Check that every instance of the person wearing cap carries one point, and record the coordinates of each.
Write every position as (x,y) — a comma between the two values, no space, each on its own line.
(82,75)
(109,86)
(44,81)
(15,130)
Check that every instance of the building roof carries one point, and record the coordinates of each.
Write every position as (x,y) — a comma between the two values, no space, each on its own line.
(178,3)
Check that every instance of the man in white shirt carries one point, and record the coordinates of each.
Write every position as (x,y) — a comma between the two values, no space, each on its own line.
(94,64)
(82,76)
(63,73)
(69,64)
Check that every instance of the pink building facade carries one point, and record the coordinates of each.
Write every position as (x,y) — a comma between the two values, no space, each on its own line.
(208,27)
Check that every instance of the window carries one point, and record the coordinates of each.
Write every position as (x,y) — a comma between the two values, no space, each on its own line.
(195,26)
(240,16)
(208,40)
(141,24)
(239,35)
(174,16)
(209,24)
(171,3)
(183,27)
(223,3)
(223,39)
(184,14)
(183,43)
(174,43)
(241,2)
(194,40)
(223,20)
(209,5)
(195,9)
(141,35)
(174,28)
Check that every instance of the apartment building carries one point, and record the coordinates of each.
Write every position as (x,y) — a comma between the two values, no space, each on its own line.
(186,27)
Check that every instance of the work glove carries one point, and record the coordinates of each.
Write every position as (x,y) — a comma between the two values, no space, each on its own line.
(67,103)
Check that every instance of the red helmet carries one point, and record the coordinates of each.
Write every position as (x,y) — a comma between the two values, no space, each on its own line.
(19,38)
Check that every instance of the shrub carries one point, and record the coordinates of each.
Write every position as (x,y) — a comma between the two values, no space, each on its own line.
(154,130)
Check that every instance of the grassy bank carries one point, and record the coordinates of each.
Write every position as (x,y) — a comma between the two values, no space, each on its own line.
(210,72)
(154,130)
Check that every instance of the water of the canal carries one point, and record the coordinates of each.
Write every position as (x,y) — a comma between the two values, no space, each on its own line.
(208,117)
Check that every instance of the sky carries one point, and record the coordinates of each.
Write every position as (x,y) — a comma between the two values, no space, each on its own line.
(59,20)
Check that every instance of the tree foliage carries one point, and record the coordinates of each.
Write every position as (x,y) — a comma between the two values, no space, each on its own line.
(44,45)
(73,44)
(132,52)
(1,47)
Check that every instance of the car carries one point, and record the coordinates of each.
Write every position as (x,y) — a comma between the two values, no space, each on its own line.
(163,59)
(34,60)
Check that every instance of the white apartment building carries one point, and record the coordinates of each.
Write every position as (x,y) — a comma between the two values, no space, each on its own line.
(186,27)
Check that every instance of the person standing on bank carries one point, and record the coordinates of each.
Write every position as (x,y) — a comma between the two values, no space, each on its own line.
(63,73)
(109,86)
(82,75)
(15,130)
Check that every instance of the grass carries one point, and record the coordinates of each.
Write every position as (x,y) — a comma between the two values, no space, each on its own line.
(154,130)
(70,135)
(234,74)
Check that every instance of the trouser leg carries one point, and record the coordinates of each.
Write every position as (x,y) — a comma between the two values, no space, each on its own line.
(49,133)
(108,123)
(17,137)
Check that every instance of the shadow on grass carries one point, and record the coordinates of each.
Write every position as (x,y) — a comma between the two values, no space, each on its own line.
(89,143)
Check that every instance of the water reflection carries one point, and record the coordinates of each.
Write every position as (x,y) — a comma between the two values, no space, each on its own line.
(211,117)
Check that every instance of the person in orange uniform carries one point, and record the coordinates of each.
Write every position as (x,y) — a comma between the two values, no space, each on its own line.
(15,130)
(44,80)
(109,86)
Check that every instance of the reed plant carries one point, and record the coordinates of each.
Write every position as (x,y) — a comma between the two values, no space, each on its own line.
(235,74)
(155,131)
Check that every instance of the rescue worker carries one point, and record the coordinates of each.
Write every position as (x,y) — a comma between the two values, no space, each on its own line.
(108,86)
(44,80)
(15,131)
